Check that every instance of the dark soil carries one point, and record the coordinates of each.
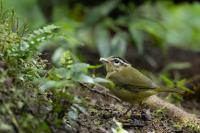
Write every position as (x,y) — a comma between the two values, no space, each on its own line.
(102,110)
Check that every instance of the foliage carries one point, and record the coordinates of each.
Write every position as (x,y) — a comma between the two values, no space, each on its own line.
(179,83)
(119,128)
(178,29)
(29,93)
(18,71)
(163,24)
(33,96)
(27,11)
(160,23)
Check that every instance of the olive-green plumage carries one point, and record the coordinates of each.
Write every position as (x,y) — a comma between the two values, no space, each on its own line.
(132,85)
(128,75)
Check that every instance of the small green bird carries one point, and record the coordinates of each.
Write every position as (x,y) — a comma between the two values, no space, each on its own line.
(132,85)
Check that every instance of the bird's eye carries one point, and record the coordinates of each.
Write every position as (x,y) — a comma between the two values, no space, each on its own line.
(116,62)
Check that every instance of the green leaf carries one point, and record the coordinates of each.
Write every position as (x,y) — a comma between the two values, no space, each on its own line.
(5,127)
(167,81)
(95,66)
(181,84)
(119,44)
(57,56)
(174,98)
(118,128)
(100,11)
(138,37)
(177,66)
(79,67)
(51,84)
(102,41)
(85,79)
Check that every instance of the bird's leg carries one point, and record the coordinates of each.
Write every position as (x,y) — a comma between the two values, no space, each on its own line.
(146,115)
(144,112)
(126,112)
(141,106)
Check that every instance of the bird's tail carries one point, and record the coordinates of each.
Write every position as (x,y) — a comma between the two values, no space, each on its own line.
(170,90)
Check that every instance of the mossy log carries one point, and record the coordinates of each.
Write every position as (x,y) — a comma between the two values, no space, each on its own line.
(183,118)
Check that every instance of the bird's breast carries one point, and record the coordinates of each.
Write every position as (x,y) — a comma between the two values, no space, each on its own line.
(132,97)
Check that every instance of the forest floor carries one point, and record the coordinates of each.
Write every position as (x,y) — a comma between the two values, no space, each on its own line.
(104,109)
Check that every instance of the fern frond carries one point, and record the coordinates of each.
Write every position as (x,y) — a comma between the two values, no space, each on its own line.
(29,44)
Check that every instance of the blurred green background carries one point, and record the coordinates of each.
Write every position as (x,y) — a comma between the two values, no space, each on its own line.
(109,27)
(116,22)
(160,38)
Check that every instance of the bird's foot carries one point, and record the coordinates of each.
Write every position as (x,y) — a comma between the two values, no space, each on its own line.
(124,114)
(133,113)
(146,115)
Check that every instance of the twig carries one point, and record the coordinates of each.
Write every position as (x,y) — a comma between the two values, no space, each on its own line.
(100,92)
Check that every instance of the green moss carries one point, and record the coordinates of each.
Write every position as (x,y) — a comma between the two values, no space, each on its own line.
(24,106)
(188,126)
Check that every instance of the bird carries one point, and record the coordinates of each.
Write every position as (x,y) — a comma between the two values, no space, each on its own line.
(132,86)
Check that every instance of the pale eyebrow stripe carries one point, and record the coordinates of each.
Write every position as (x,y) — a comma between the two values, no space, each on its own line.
(121,61)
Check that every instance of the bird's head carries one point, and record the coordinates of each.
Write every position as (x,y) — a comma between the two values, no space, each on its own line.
(114,63)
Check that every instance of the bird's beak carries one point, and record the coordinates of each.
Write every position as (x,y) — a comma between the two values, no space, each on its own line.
(103,60)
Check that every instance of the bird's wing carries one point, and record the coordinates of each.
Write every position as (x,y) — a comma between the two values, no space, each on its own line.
(130,76)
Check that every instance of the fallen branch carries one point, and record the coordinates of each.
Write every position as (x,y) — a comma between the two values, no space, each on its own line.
(180,116)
